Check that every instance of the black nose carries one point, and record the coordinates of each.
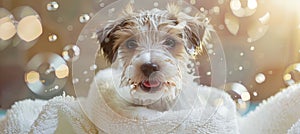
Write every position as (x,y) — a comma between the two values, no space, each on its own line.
(149,68)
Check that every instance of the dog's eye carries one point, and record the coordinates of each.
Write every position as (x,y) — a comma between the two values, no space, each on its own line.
(170,42)
(131,44)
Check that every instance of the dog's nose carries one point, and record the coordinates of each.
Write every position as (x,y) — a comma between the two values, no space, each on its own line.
(149,68)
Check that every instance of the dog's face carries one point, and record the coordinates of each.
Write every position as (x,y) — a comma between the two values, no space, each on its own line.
(150,50)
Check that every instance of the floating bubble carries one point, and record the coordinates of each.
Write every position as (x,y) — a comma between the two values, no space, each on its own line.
(75,80)
(71,52)
(192,2)
(240,11)
(52,6)
(292,74)
(93,67)
(52,37)
(240,95)
(252,4)
(29,28)
(255,93)
(155,4)
(235,4)
(208,73)
(260,78)
(102,5)
(265,19)
(70,28)
(221,27)
(62,71)
(241,54)
(7,27)
(216,10)
(241,68)
(252,48)
(46,74)
(232,23)
(84,18)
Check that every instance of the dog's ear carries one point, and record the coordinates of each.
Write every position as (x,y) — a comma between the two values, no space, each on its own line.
(196,29)
(198,34)
(106,38)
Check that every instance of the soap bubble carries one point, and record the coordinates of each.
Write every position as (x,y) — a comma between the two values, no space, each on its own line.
(292,74)
(46,74)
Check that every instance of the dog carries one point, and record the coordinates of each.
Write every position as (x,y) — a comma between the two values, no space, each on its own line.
(151,53)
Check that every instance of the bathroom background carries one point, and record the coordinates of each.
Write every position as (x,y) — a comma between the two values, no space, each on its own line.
(260,38)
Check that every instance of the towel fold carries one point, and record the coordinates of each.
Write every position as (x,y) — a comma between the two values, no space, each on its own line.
(63,114)
(275,115)
(60,115)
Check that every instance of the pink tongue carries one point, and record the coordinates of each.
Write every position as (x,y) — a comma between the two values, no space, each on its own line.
(151,84)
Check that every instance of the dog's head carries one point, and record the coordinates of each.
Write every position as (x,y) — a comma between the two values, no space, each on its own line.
(151,50)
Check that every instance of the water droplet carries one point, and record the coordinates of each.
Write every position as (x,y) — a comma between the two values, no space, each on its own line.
(71,52)
(93,67)
(87,80)
(75,80)
(240,95)
(252,48)
(193,2)
(112,10)
(208,73)
(241,68)
(52,37)
(52,6)
(270,72)
(260,78)
(216,10)
(56,87)
(84,18)
(102,4)
(70,28)
(85,72)
(255,94)
(221,27)
(202,9)
(241,54)
(292,74)
(155,4)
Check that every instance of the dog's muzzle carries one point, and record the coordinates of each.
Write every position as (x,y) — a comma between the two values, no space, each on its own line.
(150,85)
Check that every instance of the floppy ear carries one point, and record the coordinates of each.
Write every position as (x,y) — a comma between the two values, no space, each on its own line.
(107,38)
(198,35)
(197,32)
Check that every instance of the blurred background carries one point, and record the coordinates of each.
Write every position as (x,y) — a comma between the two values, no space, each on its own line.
(260,38)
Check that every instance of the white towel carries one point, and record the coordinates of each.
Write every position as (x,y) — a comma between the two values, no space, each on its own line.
(60,115)
(218,116)
(64,115)
(276,115)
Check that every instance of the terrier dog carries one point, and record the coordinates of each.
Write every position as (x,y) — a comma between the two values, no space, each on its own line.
(149,52)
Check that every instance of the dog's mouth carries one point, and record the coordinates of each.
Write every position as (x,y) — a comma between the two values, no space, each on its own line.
(150,85)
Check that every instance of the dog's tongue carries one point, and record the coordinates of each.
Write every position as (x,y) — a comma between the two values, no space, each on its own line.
(151,84)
